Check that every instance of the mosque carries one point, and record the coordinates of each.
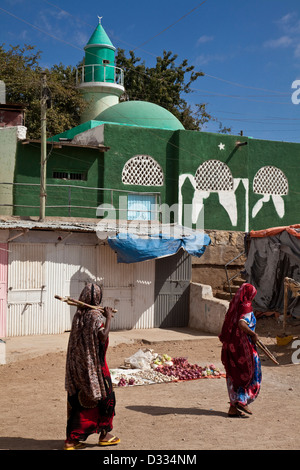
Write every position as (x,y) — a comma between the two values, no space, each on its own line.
(139,150)
(128,161)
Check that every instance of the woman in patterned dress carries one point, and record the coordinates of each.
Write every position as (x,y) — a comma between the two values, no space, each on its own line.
(239,355)
(91,399)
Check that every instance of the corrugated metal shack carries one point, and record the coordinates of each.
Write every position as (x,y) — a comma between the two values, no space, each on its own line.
(39,260)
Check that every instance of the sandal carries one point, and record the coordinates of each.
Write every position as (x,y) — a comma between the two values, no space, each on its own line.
(236,414)
(75,446)
(110,442)
(244,408)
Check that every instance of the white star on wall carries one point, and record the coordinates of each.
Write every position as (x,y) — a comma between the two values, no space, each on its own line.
(221,146)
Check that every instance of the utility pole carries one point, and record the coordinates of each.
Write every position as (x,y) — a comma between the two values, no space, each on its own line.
(43,147)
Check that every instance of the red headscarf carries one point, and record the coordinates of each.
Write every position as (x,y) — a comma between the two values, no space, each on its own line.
(237,350)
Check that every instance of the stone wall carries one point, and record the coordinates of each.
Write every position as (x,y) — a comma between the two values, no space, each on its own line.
(210,268)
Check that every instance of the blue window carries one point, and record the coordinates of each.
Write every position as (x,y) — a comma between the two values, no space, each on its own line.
(141,207)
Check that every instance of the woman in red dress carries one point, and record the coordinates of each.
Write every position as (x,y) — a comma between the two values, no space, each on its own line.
(239,354)
(91,399)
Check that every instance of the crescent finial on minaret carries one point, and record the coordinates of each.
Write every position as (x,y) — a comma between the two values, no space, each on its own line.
(100,18)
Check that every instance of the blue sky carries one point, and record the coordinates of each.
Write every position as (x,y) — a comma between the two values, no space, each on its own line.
(249,51)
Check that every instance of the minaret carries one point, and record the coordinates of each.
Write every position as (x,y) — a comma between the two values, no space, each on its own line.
(100,82)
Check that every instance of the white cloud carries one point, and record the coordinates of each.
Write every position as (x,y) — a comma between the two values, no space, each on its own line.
(203,39)
(289,23)
(297,51)
(283,41)
(204,59)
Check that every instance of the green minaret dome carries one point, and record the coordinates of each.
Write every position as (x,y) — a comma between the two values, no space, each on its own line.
(100,38)
(100,51)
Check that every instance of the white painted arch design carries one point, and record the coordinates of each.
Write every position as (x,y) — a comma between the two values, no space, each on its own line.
(142,170)
(214,175)
(271,183)
(270,180)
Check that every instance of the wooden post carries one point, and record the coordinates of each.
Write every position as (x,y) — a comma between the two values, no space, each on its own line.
(43,148)
(286,280)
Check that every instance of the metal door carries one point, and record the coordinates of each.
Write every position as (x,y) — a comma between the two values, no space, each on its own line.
(3,287)
(172,286)
(26,290)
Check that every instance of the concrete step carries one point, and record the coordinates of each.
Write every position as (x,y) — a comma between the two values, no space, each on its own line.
(223,295)
(233,288)
(238,281)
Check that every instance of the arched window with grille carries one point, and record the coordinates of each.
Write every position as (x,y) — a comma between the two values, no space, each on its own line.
(270,180)
(142,170)
(214,175)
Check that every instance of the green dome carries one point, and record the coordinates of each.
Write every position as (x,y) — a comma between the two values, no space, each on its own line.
(142,114)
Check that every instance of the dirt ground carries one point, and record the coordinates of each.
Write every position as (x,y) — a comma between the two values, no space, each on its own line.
(189,415)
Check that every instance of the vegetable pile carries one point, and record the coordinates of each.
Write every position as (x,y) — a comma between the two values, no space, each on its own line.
(181,369)
(146,367)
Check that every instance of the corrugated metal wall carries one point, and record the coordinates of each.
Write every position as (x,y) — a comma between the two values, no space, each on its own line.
(39,271)
(26,289)
(172,281)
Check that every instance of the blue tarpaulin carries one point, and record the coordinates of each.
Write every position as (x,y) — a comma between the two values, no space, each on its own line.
(133,249)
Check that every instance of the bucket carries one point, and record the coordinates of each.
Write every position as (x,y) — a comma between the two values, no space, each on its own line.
(284,340)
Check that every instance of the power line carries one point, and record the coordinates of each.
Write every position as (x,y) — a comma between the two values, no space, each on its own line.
(199,91)
(171,25)
(145,74)
(245,86)
(39,29)
(168,27)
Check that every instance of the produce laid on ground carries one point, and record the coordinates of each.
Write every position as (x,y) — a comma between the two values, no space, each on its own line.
(147,367)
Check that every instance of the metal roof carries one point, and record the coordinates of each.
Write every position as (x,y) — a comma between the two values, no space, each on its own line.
(67,143)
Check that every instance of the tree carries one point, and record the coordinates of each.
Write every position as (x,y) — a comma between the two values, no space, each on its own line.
(165,85)
(21,72)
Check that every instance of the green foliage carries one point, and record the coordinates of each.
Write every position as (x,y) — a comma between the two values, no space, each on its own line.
(21,72)
(165,85)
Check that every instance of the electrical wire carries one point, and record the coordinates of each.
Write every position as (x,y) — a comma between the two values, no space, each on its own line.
(144,73)
(171,25)
(194,89)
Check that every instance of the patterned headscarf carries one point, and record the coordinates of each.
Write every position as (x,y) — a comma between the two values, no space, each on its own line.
(91,294)
(83,368)
(237,350)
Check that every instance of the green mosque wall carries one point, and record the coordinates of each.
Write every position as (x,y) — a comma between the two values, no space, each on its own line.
(181,156)
(88,164)
(206,180)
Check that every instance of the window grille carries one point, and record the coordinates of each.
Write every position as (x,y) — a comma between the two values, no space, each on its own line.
(270,180)
(214,175)
(142,170)
(65,175)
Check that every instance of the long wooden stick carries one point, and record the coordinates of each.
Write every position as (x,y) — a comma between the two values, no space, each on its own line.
(78,303)
(285,286)
(267,352)
(294,286)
